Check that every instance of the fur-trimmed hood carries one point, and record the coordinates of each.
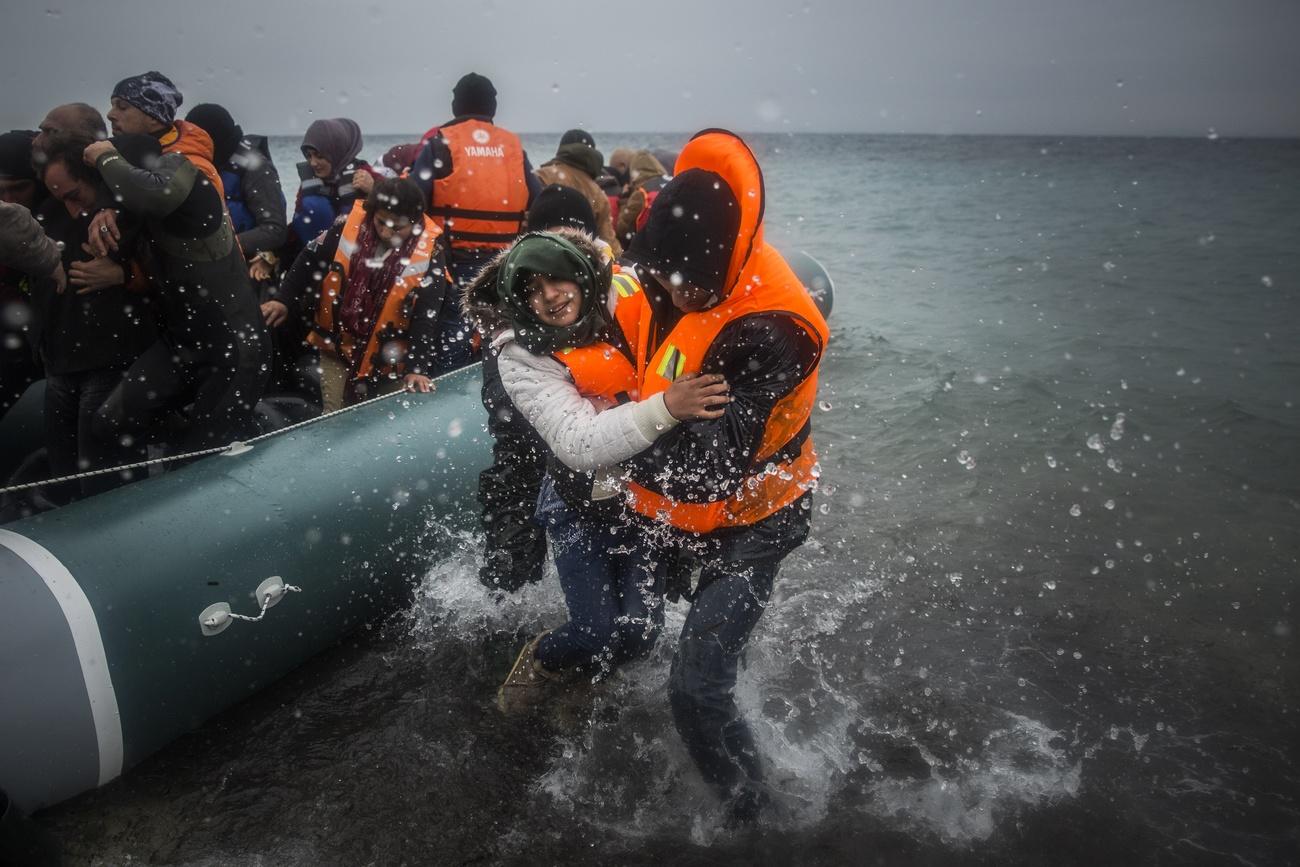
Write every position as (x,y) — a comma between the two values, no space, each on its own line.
(479,300)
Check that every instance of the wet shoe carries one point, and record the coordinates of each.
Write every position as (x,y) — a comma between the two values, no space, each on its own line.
(527,684)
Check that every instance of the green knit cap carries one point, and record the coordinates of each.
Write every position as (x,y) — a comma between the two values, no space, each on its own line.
(552,256)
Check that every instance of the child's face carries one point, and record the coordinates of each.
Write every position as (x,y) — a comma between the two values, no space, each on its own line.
(392,229)
(555,302)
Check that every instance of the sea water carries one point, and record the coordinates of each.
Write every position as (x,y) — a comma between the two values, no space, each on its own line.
(1046,614)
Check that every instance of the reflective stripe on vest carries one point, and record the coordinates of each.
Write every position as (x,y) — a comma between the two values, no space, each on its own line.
(387,345)
(482,203)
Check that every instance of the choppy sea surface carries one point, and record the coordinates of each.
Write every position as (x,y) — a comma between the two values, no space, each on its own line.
(1047,613)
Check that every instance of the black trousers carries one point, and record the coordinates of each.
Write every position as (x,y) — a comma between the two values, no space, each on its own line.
(221,397)
(71,403)
(515,545)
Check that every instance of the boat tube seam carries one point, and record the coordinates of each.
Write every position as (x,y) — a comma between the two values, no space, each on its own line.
(89,643)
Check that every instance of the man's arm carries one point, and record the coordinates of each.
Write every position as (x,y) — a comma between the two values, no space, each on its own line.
(302,282)
(423,356)
(148,193)
(533,182)
(24,245)
(265,199)
(433,164)
(763,357)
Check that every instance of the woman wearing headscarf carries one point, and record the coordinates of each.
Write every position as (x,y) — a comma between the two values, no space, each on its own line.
(331,149)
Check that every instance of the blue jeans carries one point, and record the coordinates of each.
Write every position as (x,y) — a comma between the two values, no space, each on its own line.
(611,587)
(725,611)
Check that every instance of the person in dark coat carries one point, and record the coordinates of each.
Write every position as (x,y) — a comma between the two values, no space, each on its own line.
(209,365)
(20,188)
(86,337)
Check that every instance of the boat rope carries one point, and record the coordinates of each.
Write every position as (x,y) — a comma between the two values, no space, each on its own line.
(234,448)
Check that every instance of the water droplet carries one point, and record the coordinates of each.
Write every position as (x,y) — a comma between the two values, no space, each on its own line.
(824,406)
(1075,511)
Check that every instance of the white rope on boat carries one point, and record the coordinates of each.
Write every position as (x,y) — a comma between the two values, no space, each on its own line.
(235,447)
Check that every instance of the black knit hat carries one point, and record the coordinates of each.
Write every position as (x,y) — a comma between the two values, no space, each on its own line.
(691,231)
(216,121)
(16,156)
(474,94)
(578,136)
(557,205)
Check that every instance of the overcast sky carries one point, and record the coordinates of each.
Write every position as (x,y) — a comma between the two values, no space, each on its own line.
(1164,67)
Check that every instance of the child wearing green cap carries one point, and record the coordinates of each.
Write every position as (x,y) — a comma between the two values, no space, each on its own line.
(546,308)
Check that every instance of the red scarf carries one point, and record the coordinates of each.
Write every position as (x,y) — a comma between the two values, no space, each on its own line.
(370,279)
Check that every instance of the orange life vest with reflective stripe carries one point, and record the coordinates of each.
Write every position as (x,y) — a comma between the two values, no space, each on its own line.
(385,350)
(482,203)
(758,282)
(193,143)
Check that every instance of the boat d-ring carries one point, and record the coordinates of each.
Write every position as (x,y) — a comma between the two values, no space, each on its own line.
(217,617)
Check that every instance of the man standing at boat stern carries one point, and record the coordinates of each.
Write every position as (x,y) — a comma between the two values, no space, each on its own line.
(734,493)
(477,184)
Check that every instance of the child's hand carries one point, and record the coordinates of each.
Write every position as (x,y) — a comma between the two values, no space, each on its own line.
(695,397)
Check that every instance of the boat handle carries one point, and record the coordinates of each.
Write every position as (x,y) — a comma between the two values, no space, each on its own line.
(217,617)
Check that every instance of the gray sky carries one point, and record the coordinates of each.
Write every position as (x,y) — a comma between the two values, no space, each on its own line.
(1164,67)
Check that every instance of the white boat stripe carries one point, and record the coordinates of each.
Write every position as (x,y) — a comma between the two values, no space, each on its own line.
(89,643)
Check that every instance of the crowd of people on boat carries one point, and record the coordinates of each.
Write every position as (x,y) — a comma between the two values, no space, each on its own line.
(649,361)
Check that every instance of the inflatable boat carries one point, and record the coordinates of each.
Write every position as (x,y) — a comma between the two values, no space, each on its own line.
(133,616)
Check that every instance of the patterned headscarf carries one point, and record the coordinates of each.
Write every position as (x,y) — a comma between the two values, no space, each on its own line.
(153,93)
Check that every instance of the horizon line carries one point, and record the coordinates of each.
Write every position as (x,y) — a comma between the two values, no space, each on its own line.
(1081,135)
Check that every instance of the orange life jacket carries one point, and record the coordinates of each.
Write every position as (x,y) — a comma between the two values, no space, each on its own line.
(385,350)
(194,143)
(602,370)
(758,281)
(484,200)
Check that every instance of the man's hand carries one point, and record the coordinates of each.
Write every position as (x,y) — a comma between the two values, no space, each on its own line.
(418,382)
(104,233)
(363,181)
(275,313)
(60,278)
(95,150)
(697,397)
(99,273)
(260,270)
